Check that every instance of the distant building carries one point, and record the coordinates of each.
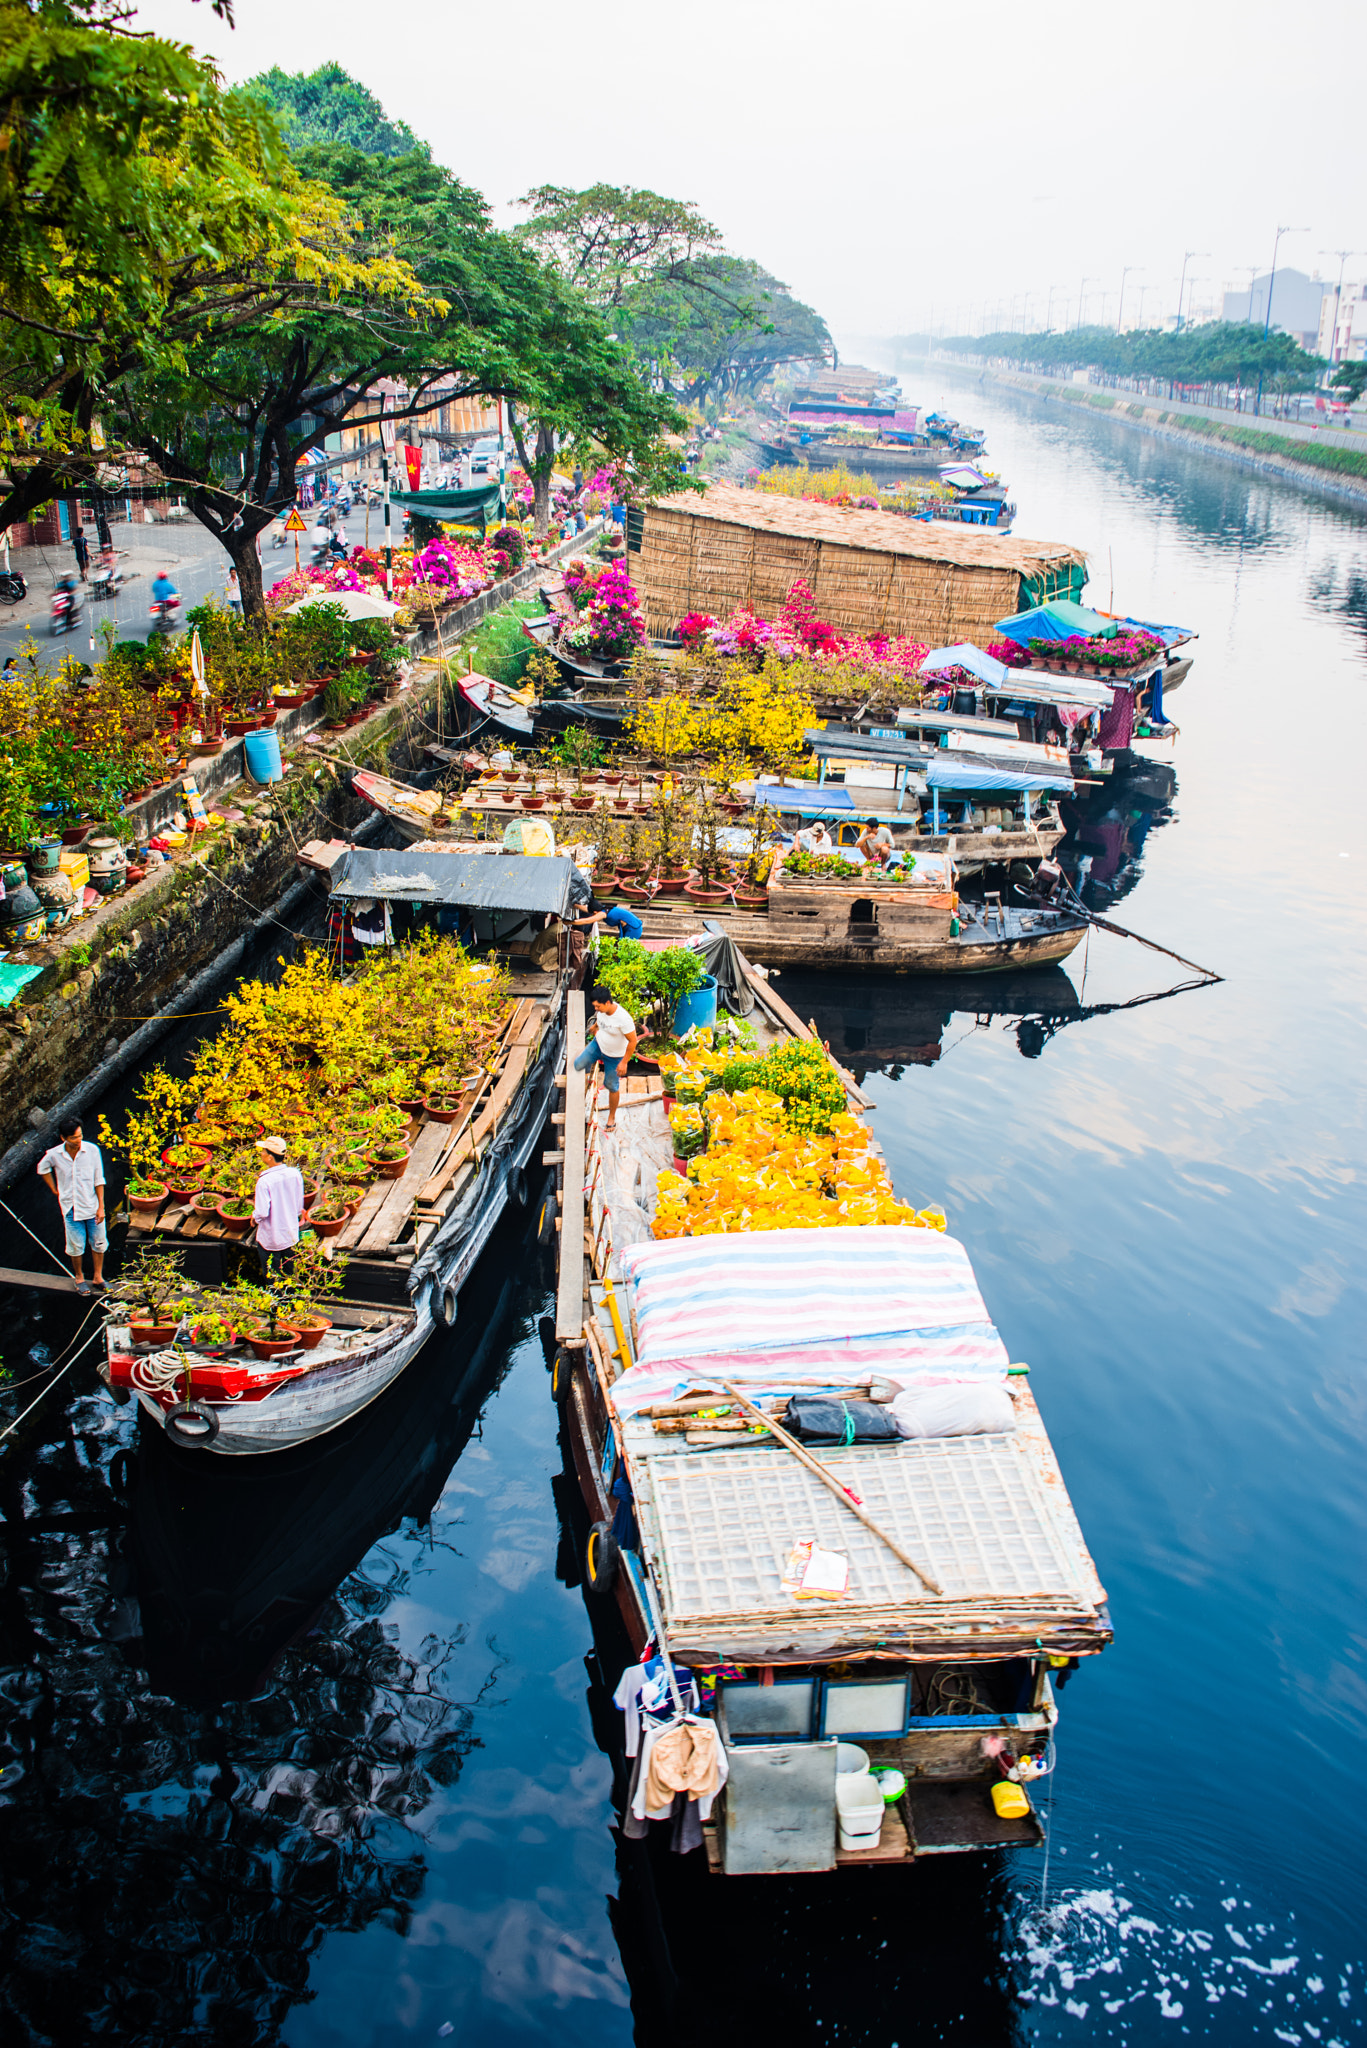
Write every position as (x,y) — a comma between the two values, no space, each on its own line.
(1297,302)
(1343,325)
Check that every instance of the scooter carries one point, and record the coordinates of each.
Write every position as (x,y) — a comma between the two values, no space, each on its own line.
(68,602)
(164,614)
(106,579)
(12,586)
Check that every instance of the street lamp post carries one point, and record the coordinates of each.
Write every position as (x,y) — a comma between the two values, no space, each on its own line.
(1183,285)
(1267,317)
(1128,271)
(1343,255)
(1081,297)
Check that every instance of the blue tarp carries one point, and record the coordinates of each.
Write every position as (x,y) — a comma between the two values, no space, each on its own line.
(1059,621)
(808,802)
(1167,634)
(949,772)
(965,655)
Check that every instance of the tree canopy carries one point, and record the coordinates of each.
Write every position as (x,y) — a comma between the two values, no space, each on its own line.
(329,106)
(1220,352)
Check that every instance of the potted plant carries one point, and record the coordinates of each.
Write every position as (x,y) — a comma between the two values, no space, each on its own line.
(212,1330)
(313,1281)
(258,1313)
(145,1197)
(389,1160)
(329,1214)
(235,1214)
(155,1287)
(708,888)
(193,1159)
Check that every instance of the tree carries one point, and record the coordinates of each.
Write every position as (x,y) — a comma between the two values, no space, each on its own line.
(1351,380)
(727,329)
(1220,352)
(329,107)
(146,216)
(609,238)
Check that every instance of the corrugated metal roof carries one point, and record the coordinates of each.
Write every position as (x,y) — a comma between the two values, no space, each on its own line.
(487,881)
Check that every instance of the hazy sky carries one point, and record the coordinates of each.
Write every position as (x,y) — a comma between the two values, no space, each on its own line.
(894,164)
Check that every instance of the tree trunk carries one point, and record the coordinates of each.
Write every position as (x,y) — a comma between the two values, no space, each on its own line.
(241,546)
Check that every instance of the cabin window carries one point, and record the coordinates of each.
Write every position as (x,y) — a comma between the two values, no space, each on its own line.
(863,1708)
(864,911)
(781,1712)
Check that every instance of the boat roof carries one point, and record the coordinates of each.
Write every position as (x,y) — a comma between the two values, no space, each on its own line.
(1024,686)
(843,745)
(947,721)
(488,881)
(966,656)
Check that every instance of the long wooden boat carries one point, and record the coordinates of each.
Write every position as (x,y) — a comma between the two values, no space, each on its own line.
(969,1584)
(413,1241)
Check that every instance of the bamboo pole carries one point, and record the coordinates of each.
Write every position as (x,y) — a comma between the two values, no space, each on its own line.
(828,1479)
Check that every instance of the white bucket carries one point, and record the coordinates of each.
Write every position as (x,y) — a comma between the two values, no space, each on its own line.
(850,1758)
(859,1805)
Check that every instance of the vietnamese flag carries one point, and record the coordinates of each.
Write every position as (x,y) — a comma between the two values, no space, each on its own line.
(413,462)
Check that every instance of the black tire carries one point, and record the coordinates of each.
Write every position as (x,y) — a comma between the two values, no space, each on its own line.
(562,1377)
(545,1222)
(446,1306)
(602,1558)
(545,1330)
(517,1187)
(191,1423)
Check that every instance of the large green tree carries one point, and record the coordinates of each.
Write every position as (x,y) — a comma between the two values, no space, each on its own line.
(1219,352)
(727,329)
(328,106)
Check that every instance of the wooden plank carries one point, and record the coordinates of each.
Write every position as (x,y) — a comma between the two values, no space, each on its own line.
(569,1300)
(397,1206)
(14,1276)
(515,1022)
(360,1223)
(469,1140)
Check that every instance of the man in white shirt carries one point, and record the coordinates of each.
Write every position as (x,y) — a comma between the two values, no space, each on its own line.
(279,1204)
(614,1041)
(875,843)
(816,839)
(75,1173)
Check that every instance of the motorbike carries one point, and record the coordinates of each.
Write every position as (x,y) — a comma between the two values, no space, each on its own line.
(164,613)
(106,580)
(67,605)
(12,586)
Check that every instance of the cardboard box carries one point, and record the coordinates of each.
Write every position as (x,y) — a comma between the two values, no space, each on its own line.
(75,865)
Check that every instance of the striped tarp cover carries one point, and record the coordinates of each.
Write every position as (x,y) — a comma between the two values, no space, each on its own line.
(833,1305)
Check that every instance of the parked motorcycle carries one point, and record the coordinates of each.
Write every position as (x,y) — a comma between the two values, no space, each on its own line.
(12,586)
(165,614)
(68,602)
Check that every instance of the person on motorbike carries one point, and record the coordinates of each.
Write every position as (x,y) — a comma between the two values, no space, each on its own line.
(163,589)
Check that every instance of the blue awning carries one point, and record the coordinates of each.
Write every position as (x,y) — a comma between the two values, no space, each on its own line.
(951,773)
(1169,635)
(809,802)
(1057,621)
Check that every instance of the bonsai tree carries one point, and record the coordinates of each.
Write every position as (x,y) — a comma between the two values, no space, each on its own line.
(154,1286)
(250,1306)
(314,1281)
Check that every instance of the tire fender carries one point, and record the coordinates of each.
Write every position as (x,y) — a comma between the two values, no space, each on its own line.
(602,1558)
(446,1306)
(562,1376)
(191,1423)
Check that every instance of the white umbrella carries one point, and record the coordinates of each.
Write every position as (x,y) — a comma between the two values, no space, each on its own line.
(357,604)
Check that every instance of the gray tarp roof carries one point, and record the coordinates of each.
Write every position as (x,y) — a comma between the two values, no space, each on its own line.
(489,881)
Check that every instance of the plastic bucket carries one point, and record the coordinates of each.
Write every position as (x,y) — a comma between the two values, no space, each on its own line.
(859,1807)
(1010,1801)
(262,750)
(698,1010)
(850,1758)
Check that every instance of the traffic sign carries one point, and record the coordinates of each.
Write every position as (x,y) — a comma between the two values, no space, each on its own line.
(294,524)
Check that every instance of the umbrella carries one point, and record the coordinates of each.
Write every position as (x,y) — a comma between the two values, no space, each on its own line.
(357,604)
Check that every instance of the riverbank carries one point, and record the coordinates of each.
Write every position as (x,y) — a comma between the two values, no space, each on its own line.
(1323,463)
(125,968)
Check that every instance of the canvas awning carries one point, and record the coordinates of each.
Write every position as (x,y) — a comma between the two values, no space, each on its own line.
(484,881)
(839,745)
(965,655)
(1060,620)
(466,508)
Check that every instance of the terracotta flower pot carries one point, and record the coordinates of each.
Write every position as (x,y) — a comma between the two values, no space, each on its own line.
(752,899)
(411,1105)
(313,1332)
(634,895)
(289,700)
(184,1191)
(149,1203)
(201,1163)
(236,1226)
(582,803)
(273,1347)
(705,892)
(443,1109)
(328,1226)
(236,727)
(206,1202)
(672,885)
(152,1333)
(533,803)
(390,1169)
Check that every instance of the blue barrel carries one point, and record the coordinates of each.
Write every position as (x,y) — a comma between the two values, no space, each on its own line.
(698,1010)
(263,757)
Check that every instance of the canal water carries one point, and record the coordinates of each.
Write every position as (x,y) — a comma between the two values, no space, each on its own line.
(315,1754)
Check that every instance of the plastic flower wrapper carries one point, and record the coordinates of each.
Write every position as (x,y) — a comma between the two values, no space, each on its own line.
(690,1133)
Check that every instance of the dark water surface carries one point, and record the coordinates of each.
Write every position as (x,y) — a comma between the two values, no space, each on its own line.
(309,1755)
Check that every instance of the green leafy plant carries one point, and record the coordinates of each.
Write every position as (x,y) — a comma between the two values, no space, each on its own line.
(648,985)
(154,1285)
(801,1073)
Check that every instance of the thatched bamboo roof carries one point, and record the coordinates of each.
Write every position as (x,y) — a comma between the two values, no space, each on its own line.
(869,571)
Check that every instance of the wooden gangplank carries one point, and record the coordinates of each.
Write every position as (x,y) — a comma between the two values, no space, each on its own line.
(569,1300)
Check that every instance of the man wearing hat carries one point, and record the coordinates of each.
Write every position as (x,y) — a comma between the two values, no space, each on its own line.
(279,1204)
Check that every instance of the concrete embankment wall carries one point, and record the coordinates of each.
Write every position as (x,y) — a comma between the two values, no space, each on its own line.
(1206,429)
(116,972)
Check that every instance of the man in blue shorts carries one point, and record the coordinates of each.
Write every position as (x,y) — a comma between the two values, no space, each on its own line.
(74,1171)
(614,1041)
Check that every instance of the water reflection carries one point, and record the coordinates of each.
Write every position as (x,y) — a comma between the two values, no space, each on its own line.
(1108,826)
(215,1745)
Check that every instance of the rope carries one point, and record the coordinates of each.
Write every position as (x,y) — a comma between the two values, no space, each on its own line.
(47,1248)
(10,1429)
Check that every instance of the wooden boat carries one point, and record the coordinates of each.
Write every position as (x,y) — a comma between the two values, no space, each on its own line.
(871,924)
(969,1584)
(413,1241)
